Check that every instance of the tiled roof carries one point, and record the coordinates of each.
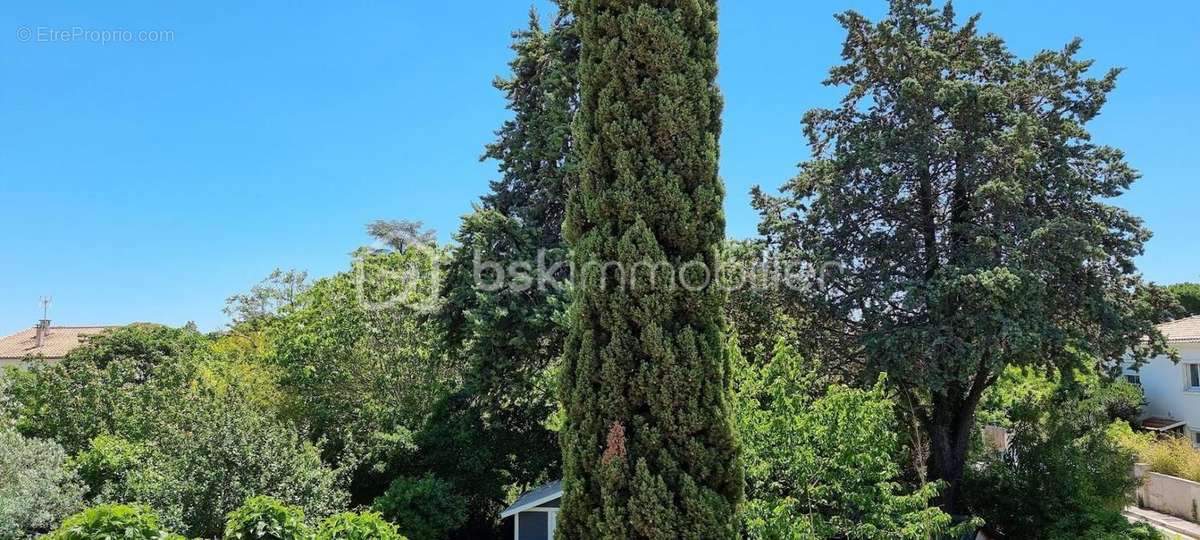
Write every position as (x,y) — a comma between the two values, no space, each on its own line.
(59,341)
(1182,330)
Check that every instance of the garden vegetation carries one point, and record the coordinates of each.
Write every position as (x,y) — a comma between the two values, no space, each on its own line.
(983,277)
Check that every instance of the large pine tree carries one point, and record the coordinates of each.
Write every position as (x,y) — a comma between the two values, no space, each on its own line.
(491,435)
(648,448)
(960,192)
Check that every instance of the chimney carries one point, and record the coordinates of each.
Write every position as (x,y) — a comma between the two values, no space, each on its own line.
(43,328)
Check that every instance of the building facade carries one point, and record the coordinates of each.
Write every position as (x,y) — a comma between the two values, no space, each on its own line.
(1173,389)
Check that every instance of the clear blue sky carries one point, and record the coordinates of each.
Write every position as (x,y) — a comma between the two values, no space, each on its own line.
(147,181)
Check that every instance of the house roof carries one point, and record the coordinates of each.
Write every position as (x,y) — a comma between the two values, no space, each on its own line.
(59,341)
(1182,330)
(535,497)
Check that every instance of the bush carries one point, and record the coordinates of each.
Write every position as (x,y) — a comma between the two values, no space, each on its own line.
(359,378)
(425,508)
(156,416)
(106,466)
(112,521)
(35,489)
(1102,398)
(220,450)
(1062,475)
(264,518)
(1173,456)
(351,526)
(8,403)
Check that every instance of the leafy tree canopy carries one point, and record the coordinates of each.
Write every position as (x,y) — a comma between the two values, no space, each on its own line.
(358,365)
(822,459)
(1188,296)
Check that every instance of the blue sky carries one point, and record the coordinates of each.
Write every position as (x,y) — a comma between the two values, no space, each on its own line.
(147,181)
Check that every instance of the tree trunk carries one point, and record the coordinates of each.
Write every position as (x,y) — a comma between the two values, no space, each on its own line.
(949,438)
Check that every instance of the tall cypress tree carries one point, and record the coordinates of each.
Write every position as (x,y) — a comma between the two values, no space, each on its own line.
(648,449)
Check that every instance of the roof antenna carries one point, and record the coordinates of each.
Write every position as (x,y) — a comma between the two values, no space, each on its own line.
(43,326)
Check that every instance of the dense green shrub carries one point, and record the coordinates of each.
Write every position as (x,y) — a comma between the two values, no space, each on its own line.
(8,403)
(1104,399)
(425,508)
(35,489)
(107,465)
(351,526)
(1119,400)
(1102,525)
(217,451)
(356,363)
(265,518)
(1063,474)
(158,416)
(112,522)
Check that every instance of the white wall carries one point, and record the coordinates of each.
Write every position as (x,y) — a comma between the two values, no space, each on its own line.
(1167,494)
(1165,384)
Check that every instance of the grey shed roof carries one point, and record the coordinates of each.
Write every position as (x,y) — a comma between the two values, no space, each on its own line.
(534,497)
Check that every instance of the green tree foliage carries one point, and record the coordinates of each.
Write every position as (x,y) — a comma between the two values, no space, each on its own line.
(1063,476)
(8,403)
(424,508)
(821,460)
(755,302)
(1188,296)
(203,467)
(491,432)
(1017,387)
(648,445)
(164,426)
(264,518)
(114,383)
(357,364)
(266,298)
(400,234)
(351,526)
(36,489)
(108,465)
(533,147)
(959,191)
(111,522)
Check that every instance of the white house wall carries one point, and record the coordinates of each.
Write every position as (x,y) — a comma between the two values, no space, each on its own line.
(1166,386)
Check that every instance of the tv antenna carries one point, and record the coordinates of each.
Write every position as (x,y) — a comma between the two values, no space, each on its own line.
(46,301)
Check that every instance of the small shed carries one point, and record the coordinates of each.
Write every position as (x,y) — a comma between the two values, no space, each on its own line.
(535,513)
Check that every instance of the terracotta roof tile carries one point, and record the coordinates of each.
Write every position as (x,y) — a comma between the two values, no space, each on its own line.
(59,341)
(1182,330)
